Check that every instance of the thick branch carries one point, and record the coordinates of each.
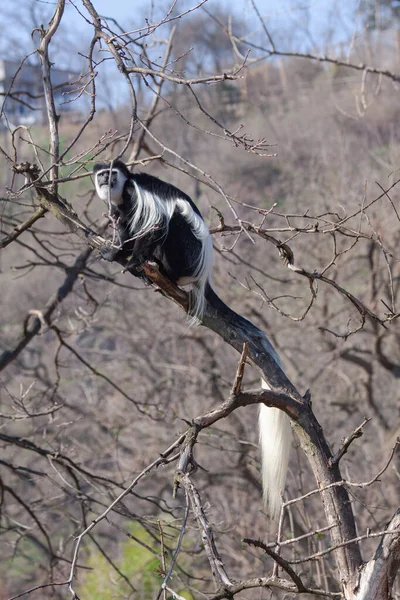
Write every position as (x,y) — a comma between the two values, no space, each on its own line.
(274,399)
(336,502)
(377,576)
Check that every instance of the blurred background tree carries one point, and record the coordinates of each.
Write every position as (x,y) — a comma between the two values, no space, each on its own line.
(291,116)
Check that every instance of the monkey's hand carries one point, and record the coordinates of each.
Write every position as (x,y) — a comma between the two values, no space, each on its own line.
(135,262)
(135,266)
(109,254)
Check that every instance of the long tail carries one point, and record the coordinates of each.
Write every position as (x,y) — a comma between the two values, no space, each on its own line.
(275,441)
(275,430)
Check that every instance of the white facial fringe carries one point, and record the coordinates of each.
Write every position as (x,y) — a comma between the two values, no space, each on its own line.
(111,192)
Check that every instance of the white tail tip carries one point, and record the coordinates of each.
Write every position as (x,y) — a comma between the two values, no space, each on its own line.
(275,442)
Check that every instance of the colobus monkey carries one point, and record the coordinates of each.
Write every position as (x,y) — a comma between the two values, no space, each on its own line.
(157,221)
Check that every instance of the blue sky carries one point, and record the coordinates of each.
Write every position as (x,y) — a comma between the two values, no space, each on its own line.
(293,22)
(295,25)
(319,15)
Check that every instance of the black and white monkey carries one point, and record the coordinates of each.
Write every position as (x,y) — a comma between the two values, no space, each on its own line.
(157,221)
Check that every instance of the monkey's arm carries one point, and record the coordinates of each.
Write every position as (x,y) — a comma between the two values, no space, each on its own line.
(144,247)
(135,251)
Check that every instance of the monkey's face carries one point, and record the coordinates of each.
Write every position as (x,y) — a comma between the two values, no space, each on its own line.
(110,185)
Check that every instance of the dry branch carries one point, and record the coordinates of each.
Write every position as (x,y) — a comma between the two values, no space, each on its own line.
(33,326)
(377,576)
(370,581)
(337,505)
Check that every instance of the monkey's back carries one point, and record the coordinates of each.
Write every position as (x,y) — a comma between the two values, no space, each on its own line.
(180,250)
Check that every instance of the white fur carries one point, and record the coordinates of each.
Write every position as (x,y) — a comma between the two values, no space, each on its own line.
(111,192)
(275,442)
(202,274)
(149,212)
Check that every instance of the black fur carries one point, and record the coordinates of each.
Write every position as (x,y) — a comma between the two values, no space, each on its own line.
(172,245)
(175,249)
(177,242)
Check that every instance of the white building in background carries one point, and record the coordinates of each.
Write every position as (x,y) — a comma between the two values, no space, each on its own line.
(25,83)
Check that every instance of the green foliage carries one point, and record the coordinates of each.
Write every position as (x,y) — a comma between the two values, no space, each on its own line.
(136,561)
(22,564)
